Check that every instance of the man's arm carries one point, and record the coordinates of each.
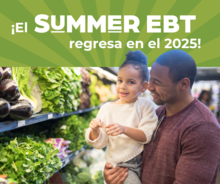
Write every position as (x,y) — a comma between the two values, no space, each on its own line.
(115,175)
(200,154)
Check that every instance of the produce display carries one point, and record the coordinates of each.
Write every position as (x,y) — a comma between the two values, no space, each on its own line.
(61,145)
(70,128)
(5,108)
(21,75)
(105,92)
(11,105)
(21,109)
(85,95)
(6,180)
(101,92)
(27,159)
(24,91)
(5,73)
(61,89)
(9,90)
(73,129)
(72,174)
(94,97)
(60,86)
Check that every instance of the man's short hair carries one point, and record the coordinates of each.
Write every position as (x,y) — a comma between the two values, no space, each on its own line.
(181,65)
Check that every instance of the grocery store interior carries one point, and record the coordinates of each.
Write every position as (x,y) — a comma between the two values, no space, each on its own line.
(45,112)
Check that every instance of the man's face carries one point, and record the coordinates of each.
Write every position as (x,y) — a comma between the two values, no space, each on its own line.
(163,90)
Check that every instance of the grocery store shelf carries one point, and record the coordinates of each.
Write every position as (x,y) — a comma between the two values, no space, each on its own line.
(67,160)
(103,73)
(11,125)
(70,157)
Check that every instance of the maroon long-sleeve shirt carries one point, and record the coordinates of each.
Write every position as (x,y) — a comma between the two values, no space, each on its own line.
(186,148)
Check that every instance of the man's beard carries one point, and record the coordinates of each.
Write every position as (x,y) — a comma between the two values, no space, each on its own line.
(159,102)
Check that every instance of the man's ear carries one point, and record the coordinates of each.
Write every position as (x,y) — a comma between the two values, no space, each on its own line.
(184,83)
(144,87)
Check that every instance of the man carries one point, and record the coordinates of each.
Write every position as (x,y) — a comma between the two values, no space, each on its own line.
(185,147)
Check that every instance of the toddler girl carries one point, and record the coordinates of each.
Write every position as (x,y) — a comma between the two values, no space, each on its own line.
(127,124)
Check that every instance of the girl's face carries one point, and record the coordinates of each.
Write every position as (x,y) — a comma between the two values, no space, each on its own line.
(129,84)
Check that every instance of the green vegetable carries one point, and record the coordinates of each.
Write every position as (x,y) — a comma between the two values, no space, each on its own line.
(84,177)
(21,76)
(28,159)
(74,131)
(94,98)
(72,174)
(99,177)
(60,88)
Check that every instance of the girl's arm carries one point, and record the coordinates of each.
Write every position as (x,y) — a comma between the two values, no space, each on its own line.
(94,134)
(146,126)
(98,138)
(94,125)
(100,142)
(134,133)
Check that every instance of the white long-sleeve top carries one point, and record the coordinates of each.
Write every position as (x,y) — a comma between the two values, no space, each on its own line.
(140,114)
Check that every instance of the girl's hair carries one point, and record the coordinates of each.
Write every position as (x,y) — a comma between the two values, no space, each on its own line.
(138,60)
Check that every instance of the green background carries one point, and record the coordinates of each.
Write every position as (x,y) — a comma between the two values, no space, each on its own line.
(48,49)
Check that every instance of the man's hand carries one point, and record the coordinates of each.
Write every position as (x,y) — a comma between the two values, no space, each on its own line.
(116,175)
(114,129)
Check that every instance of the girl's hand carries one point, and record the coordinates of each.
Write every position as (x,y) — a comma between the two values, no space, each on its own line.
(95,124)
(114,129)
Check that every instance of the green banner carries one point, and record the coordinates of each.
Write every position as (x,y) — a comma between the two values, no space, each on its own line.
(101,32)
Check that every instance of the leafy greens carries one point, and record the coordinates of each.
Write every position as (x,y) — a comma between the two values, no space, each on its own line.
(60,88)
(28,159)
(73,129)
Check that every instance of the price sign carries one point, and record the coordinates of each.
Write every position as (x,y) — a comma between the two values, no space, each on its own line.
(50,116)
(21,123)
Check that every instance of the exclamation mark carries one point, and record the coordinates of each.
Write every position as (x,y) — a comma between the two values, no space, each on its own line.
(199,43)
(13,30)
